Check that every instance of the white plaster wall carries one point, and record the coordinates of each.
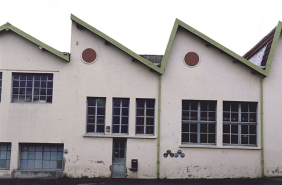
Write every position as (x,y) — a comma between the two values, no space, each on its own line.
(272,116)
(215,78)
(64,121)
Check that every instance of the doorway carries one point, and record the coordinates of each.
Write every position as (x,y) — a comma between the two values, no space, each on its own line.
(119,157)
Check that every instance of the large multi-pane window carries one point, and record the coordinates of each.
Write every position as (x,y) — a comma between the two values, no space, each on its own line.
(145,115)
(41,156)
(240,123)
(0,85)
(5,155)
(96,109)
(120,115)
(198,122)
(32,87)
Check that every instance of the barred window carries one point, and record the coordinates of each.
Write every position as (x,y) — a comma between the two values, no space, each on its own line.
(41,156)
(198,122)
(32,87)
(120,115)
(5,155)
(96,110)
(145,115)
(240,123)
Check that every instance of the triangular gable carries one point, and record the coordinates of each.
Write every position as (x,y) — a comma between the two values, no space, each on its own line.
(8,26)
(117,44)
(215,44)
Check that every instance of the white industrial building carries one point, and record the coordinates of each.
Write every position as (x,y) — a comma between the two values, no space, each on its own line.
(198,111)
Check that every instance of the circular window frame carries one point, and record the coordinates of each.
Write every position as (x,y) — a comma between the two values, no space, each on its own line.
(194,65)
(89,63)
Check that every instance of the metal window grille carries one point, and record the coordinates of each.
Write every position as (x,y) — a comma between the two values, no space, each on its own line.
(32,87)
(240,123)
(5,155)
(41,156)
(145,114)
(198,122)
(96,108)
(120,115)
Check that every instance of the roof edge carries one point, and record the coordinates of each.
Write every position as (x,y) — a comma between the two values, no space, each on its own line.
(41,45)
(209,40)
(117,44)
(273,48)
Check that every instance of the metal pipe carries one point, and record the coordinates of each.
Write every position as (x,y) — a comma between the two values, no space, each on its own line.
(261,125)
(159,127)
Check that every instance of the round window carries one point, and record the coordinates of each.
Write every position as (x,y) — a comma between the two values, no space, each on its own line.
(191,59)
(89,55)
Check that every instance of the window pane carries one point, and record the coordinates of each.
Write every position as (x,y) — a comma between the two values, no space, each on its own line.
(253,129)
(90,128)
(234,139)
(211,128)
(244,129)
(253,139)
(149,129)
(234,117)
(139,129)
(101,101)
(91,110)
(91,101)
(150,103)
(140,103)
(234,106)
(193,138)
(150,121)
(193,128)
(253,107)
(244,139)
(100,111)
(234,129)
(125,111)
(185,105)
(125,120)
(115,128)
(204,116)
(194,116)
(125,102)
(253,117)
(185,127)
(226,106)
(140,112)
(124,128)
(244,117)
(116,102)
(203,138)
(204,128)
(185,137)
(211,138)
(244,107)
(100,128)
(116,111)
(150,112)
(211,116)
(139,121)
(226,138)
(116,120)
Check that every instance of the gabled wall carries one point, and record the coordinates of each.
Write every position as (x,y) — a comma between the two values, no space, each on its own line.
(64,121)
(272,115)
(215,78)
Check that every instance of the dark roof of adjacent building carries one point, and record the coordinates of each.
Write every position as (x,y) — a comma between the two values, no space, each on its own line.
(155,59)
(267,40)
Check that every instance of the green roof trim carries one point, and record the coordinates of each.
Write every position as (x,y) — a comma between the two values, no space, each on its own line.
(209,40)
(117,44)
(273,48)
(41,45)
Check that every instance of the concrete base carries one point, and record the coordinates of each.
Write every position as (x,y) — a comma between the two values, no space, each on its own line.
(37,174)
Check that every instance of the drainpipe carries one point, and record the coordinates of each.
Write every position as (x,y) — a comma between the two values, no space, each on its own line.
(261,129)
(159,127)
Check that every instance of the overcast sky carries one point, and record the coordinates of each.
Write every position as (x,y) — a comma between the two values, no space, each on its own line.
(144,26)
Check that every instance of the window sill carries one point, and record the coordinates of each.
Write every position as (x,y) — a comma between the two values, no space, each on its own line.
(118,136)
(222,147)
